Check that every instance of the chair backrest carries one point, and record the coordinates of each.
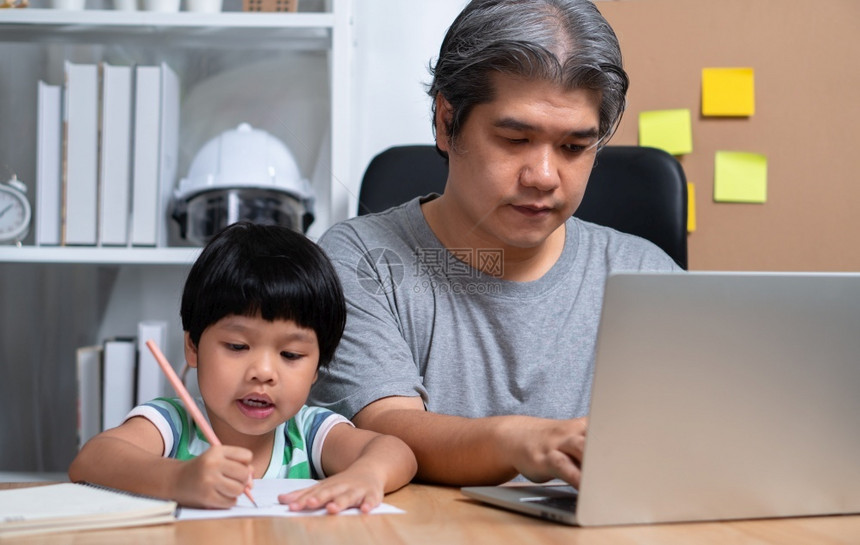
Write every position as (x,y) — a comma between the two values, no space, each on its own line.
(399,174)
(634,189)
(641,191)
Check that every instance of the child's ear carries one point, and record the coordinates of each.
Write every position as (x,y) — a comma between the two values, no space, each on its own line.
(190,351)
(316,376)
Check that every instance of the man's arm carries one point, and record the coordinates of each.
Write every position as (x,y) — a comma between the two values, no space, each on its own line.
(469,451)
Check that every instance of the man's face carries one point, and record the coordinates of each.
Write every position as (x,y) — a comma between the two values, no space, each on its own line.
(520,164)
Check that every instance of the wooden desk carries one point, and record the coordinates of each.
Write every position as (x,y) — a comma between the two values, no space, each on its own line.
(442,516)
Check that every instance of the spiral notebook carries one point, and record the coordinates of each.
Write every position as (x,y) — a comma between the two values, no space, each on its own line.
(68,507)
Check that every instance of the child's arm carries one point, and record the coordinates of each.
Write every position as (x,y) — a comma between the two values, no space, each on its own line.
(363,465)
(128,457)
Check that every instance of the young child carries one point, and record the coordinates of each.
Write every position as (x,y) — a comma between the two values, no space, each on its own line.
(261,309)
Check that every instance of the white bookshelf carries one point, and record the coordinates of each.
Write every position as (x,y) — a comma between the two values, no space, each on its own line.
(226,29)
(98,255)
(273,33)
(57,299)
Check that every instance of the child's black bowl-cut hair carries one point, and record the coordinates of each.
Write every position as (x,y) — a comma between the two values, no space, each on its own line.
(268,269)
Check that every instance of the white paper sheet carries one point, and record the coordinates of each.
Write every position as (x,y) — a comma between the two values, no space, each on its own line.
(266,492)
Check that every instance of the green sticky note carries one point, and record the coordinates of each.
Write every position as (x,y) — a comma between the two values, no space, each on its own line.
(740,177)
(669,130)
(728,91)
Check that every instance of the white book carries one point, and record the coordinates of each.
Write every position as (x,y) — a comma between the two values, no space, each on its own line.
(169,152)
(115,155)
(156,147)
(120,357)
(49,154)
(89,378)
(150,378)
(81,154)
(144,198)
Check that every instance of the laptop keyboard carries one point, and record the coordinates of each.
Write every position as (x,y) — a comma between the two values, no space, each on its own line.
(566,503)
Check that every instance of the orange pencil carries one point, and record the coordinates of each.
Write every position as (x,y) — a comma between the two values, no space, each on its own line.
(198,417)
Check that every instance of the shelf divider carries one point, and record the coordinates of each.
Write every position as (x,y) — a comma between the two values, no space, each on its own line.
(98,255)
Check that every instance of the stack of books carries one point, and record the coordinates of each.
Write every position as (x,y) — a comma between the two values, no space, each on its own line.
(116,375)
(107,151)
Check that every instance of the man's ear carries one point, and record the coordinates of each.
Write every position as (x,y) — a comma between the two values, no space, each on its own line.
(190,351)
(444,115)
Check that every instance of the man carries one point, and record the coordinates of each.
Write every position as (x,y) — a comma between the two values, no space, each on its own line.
(472,316)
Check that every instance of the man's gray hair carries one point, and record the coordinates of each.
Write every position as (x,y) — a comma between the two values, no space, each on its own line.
(564,41)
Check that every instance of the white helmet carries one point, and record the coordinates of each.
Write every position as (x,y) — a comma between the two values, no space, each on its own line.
(243,174)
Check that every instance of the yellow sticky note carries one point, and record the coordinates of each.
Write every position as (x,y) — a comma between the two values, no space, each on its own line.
(740,177)
(691,207)
(669,130)
(728,91)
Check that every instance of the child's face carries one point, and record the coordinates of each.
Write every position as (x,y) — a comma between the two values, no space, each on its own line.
(253,374)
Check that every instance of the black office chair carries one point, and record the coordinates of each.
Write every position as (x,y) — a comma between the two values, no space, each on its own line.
(636,190)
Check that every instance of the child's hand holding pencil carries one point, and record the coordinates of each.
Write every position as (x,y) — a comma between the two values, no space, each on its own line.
(213,476)
(214,479)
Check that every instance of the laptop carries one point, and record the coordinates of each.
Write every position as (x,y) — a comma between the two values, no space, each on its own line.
(716,396)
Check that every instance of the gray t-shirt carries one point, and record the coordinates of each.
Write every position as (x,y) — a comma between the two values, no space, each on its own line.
(421,322)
